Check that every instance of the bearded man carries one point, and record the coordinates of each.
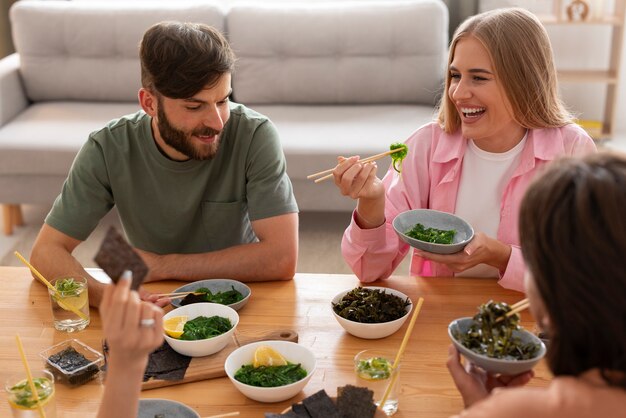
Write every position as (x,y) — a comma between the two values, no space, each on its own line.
(199,182)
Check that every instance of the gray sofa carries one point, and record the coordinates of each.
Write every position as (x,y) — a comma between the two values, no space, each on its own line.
(337,78)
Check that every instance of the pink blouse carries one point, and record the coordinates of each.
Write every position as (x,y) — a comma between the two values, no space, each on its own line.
(430,179)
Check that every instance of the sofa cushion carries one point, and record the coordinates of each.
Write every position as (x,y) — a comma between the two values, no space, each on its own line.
(339,52)
(44,139)
(90,50)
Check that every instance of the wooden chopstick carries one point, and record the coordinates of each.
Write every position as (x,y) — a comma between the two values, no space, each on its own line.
(520,303)
(364,160)
(167,295)
(515,309)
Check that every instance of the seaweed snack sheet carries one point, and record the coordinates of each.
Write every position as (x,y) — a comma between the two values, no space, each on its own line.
(116,255)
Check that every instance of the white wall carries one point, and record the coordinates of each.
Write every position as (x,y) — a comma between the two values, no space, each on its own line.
(580,47)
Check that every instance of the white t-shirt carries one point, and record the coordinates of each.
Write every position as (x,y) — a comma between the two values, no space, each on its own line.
(484,176)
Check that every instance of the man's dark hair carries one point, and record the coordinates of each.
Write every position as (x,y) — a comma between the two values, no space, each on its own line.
(573,237)
(180,59)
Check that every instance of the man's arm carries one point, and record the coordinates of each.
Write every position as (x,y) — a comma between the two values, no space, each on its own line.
(274,257)
(52,256)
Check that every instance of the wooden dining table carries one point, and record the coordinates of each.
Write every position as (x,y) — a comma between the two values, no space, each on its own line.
(303,305)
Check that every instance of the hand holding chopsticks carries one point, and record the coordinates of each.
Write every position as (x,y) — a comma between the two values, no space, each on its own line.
(326,174)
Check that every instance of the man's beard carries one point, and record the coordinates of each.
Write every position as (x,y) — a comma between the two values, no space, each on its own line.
(183,142)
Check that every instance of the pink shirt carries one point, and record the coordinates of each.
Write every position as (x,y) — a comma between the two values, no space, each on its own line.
(587,396)
(430,179)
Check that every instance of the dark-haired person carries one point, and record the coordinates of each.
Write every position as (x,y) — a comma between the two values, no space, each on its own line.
(199,182)
(499,121)
(573,237)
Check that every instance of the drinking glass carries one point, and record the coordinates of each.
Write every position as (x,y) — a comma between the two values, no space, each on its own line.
(373,370)
(67,301)
(21,401)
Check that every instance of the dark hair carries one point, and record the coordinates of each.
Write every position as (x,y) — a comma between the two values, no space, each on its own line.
(180,59)
(573,237)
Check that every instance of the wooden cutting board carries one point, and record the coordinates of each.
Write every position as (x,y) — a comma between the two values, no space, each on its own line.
(210,367)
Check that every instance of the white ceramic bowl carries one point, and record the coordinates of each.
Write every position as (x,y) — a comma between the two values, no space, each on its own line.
(292,352)
(200,348)
(433,219)
(217,285)
(494,365)
(372,331)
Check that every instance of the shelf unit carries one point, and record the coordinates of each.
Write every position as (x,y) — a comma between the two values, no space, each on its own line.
(608,76)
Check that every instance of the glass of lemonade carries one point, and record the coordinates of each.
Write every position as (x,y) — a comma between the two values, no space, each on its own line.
(21,399)
(373,370)
(72,297)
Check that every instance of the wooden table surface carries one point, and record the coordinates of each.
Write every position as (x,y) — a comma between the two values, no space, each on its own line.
(303,305)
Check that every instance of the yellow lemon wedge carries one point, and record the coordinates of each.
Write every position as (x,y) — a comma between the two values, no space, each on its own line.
(267,356)
(175,325)
(76,302)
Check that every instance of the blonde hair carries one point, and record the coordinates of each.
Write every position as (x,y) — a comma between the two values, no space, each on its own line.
(521,54)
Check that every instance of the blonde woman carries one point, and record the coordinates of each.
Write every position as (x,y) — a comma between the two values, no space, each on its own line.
(500,120)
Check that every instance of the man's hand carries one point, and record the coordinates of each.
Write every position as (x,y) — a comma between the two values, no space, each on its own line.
(481,249)
(475,384)
(153,261)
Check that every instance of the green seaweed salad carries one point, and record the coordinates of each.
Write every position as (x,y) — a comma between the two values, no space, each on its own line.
(370,306)
(270,376)
(227,297)
(493,338)
(203,327)
(434,235)
(398,156)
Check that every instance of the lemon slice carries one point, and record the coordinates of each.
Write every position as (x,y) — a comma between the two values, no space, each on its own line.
(76,302)
(175,325)
(267,356)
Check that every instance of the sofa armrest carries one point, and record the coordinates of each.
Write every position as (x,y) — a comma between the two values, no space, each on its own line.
(12,95)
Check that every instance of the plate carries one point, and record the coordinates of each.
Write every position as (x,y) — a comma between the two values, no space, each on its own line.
(148,408)
(216,285)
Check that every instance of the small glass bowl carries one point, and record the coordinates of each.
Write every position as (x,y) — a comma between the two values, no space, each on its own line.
(68,374)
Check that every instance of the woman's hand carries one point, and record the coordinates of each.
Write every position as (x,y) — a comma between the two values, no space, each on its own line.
(132,328)
(475,384)
(358,180)
(481,249)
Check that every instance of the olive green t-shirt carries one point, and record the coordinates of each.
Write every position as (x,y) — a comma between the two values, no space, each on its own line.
(170,207)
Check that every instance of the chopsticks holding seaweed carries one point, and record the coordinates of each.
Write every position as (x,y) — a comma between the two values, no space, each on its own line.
(177,294)
(326,174)
(515,309)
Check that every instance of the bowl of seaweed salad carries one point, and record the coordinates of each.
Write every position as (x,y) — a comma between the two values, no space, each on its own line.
(433,231)
(371,312)
(227,292)
(497,346)
(207,328)
(270,382)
